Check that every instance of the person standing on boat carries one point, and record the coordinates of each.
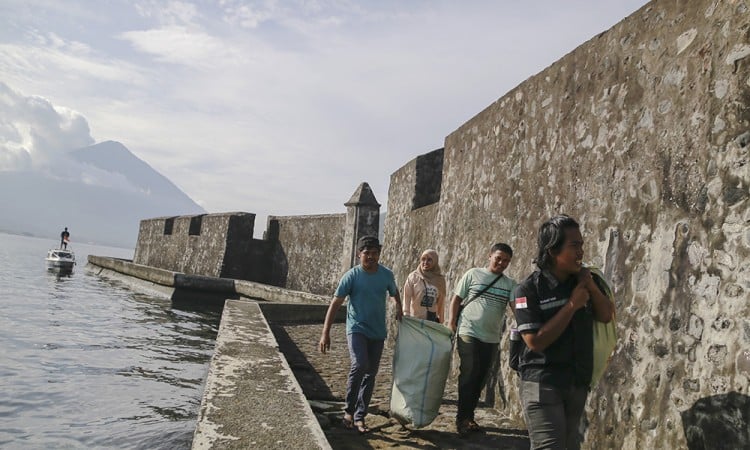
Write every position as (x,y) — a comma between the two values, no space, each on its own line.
(64,235)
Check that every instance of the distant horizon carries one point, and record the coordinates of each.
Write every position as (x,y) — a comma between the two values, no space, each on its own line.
(71,244)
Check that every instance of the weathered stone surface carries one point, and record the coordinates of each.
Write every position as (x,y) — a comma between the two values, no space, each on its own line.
(214,245)
(252,399)
(309,251)
(641,134)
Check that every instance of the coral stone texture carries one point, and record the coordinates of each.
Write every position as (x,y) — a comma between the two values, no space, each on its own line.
(642,134)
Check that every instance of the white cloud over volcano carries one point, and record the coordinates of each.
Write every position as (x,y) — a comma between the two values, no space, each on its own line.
(35,134)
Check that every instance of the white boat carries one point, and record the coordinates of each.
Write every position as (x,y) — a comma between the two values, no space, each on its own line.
(60,259)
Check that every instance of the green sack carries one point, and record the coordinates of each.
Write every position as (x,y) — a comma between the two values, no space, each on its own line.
(605,334)
(421,362)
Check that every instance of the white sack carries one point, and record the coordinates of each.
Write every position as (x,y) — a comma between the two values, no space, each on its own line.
(421,362)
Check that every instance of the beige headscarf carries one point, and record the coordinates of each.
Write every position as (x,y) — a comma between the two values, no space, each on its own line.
(434,276)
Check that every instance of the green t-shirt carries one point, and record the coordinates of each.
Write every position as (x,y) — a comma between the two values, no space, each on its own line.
(483,317)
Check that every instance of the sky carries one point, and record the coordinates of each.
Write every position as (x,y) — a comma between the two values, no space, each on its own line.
(275,107)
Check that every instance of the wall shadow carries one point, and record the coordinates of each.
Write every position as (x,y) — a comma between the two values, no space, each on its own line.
(313,385)
(718,422)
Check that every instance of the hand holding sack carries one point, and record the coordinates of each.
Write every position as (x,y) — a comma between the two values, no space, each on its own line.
(604,336)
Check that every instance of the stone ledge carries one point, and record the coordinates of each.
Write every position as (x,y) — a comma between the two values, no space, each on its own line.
(127,267)
(223,287)
(251,398)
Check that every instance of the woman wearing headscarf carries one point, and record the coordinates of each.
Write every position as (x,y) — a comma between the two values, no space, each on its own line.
(424,289)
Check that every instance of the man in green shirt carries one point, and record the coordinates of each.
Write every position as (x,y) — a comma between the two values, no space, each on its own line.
(485,292)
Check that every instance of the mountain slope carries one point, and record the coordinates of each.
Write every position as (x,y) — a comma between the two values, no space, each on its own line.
(34,203)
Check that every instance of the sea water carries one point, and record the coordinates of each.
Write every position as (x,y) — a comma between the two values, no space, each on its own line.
(87,362)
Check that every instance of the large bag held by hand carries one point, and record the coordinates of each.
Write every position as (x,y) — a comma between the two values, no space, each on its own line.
(605,334)
(421,362)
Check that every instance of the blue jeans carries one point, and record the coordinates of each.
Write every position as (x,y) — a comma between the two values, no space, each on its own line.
(476,359)
(365,357)
(553,415)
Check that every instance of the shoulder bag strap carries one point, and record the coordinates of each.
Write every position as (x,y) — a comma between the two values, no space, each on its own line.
(485,289)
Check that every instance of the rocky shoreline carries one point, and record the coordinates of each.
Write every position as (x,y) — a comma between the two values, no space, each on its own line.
(323,380)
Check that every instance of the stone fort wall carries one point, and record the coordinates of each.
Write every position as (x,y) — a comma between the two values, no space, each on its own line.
(303,253)
(642,134)
(217,245)
(310,251)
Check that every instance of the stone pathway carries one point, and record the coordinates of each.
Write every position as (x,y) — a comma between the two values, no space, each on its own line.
(323,380)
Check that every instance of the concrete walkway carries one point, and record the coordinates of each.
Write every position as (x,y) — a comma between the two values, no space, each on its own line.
(323,380)
(252,399)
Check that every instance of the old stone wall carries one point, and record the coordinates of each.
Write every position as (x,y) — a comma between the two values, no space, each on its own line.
(642,134)
(217,245)
(409,230)
(309,251)
(304,253)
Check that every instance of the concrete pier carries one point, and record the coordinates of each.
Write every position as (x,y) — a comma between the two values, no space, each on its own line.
(252,399)
(173,284)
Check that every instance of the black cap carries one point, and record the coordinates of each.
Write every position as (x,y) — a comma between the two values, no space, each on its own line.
(368,241)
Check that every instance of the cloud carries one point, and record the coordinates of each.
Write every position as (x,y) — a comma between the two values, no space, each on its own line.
(182,45)
(66,64)
(35,133)
(247,16)
(13,157)
(168,13)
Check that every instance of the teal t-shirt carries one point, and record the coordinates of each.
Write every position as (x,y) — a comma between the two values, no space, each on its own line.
(366,291)
(483,317)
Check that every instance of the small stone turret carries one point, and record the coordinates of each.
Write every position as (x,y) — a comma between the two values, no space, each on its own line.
(362,219)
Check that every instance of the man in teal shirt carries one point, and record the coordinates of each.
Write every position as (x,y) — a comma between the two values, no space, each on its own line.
(488,292)
(366,286)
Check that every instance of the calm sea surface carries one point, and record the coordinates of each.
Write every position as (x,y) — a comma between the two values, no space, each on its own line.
(86,362)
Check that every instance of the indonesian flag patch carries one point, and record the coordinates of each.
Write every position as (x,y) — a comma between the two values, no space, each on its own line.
(521,303)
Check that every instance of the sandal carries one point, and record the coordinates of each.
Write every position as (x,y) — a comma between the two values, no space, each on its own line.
(462,427)
(361,427)
(347,421)
(474,427)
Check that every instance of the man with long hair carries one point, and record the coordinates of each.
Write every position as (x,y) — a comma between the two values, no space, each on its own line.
(555,308)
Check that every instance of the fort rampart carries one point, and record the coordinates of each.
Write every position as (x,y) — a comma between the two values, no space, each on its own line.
(216,245)
(312,247)
(642,134)
(303,253)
